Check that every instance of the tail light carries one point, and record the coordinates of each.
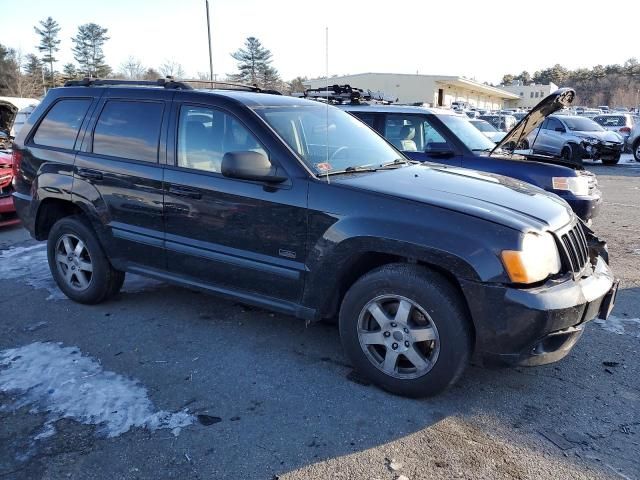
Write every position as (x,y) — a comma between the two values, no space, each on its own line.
(16,159)
(625,130)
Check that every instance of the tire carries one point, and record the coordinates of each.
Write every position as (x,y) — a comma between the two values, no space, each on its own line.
(566,153)
(78,264)
(612,161)
(436,328)
(636,151)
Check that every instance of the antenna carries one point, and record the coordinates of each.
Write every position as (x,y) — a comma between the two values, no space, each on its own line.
(326,47)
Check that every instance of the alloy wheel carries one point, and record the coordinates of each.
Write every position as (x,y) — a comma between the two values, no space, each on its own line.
(74,262)
(398,336)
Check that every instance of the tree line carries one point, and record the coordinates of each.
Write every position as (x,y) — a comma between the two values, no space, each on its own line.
(614,85)
(32,74)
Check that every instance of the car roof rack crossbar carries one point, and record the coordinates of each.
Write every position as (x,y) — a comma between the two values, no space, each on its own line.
(167,82)
(345,94)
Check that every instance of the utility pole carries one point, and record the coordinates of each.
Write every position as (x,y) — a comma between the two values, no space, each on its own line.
(209,36)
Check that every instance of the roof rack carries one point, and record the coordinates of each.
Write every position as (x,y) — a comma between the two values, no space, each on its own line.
(97,82)
(167,82)
(341,94)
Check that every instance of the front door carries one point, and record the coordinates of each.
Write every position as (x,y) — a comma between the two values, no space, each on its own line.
(226,233)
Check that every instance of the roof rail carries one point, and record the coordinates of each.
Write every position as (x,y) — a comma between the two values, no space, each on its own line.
(236,86)
(168,82)
(340,94)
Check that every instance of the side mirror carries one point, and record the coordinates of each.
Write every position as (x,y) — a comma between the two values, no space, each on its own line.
(560,129)
(439,149)
(250,166)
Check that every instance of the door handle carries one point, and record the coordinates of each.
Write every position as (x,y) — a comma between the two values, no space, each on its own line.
(89,174)
(185,192)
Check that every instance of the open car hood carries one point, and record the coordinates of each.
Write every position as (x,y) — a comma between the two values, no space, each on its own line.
(561,98)
(8,113)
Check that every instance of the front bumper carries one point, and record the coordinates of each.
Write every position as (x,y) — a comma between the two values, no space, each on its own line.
(603,150)
(537,325)
(7,212)
(586,207)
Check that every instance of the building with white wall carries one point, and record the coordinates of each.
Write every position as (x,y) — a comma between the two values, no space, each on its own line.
(434,90)
(528,95)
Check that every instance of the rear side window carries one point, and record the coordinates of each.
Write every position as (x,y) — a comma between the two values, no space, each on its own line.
(129,130)
(61,124)
(611,121)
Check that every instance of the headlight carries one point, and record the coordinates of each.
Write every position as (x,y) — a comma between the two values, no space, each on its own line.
(590,140)
(536,260)
(575,185)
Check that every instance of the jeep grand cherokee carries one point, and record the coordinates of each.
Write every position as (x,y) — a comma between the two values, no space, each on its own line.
(300,208)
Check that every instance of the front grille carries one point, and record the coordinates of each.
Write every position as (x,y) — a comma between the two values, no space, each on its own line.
(574,251)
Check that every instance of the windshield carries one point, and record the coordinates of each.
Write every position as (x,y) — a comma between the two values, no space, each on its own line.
(467,133)
(484,126)
(328,139)
(582,125)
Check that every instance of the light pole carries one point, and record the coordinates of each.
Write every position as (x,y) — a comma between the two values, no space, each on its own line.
(209,37)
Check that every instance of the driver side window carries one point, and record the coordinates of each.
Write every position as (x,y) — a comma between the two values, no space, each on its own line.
(410,133)
(206,134)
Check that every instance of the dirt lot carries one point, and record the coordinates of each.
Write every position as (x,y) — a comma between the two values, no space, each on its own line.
(163,382)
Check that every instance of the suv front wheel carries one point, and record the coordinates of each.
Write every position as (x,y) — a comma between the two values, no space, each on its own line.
(404,327)
(78,264)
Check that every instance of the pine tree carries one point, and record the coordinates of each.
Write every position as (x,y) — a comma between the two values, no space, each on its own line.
(254,64)
(49,43)
(88,52)
(69,72)
(9,71)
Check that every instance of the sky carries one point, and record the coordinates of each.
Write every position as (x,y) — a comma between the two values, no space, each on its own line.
(479,39)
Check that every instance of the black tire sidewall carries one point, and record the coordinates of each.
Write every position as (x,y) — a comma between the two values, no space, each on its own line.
(437,297)
(102,276)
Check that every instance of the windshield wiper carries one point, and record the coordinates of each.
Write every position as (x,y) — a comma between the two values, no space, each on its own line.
(350,169)
(395,163)
(481,149)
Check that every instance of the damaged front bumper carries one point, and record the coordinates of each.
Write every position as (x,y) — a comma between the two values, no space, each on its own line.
(535,326)
(602,150)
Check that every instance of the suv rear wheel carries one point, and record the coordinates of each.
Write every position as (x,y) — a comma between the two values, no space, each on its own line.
(404,327)
(78,264)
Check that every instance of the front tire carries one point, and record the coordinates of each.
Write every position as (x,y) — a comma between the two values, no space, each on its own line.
(78,264)
(612,161)
(636,151)
(405,328)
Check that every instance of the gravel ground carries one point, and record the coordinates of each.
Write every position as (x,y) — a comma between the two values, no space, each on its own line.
(163,382)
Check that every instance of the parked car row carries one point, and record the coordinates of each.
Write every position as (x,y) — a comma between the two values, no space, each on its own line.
(301,208)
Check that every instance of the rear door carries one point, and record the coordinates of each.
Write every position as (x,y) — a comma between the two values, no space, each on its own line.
(230,234)
(119,173)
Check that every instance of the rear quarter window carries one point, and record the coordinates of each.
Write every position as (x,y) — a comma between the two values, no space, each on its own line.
(60,126)
(129,129)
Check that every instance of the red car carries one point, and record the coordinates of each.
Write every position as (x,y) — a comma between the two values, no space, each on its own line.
(7,209)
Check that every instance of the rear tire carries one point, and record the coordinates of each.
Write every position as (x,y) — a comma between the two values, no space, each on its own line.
(406,329)
(78,264)
(636,151)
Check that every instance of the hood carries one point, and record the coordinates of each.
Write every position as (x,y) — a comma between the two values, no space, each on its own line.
(502,200)
(558,100)
(606,136)
(8,113)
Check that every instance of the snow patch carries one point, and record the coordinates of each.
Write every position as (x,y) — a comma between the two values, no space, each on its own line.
(31,265)
(621,326)
(66,384)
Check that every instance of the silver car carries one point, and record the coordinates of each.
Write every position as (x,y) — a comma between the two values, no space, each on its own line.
(634,141)
(621,123)
(575,138)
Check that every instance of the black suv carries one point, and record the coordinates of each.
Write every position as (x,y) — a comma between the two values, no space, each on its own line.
(298,207)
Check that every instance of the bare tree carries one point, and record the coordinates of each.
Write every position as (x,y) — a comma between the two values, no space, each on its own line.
(132,69)
(171,68)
